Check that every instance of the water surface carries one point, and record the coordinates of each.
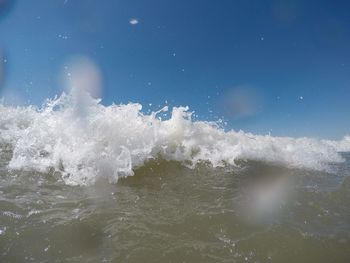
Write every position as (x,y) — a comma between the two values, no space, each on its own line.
(167,212)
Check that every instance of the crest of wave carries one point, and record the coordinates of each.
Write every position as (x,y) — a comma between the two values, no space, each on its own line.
(86,140)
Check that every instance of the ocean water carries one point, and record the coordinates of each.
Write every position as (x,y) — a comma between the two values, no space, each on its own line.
(83,182)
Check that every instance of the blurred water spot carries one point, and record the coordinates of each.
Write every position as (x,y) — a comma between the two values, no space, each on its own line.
(286,11)
(133,21)
(328,32)
(5,7)
(85,16)
(241,102)
(81,75)
(265,194)
(83,80)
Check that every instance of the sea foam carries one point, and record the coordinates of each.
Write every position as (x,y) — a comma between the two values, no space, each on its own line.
(85,140)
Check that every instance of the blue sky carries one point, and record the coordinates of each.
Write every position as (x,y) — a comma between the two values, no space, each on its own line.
(294,56)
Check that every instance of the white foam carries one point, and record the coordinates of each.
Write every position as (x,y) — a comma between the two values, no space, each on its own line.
(110,141)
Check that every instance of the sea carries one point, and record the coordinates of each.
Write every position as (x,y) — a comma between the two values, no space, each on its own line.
(85,182)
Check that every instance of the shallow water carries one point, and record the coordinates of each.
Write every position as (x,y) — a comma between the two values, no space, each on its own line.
(169,213)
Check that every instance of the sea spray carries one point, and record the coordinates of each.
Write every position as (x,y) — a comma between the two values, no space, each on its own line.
(85,140)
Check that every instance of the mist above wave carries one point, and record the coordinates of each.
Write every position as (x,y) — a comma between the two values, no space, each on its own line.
(86,140)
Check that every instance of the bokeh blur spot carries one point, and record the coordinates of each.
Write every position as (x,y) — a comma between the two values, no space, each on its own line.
(286,11)
(5,6)
(82,75)
(241,102)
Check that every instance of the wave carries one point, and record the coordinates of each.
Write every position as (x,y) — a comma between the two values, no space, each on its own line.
(85,140)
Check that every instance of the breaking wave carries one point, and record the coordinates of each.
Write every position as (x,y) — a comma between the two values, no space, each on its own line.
(85,140)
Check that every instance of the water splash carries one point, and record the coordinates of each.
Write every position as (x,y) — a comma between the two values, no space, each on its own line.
(110,141)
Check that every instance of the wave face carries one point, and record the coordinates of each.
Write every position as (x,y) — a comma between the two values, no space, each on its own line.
(85,140)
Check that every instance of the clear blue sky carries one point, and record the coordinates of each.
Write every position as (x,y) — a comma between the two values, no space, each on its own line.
(294,54)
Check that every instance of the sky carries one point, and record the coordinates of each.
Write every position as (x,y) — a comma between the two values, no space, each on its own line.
(269,67)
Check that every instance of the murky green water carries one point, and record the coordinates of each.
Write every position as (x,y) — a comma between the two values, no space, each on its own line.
(169,213)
